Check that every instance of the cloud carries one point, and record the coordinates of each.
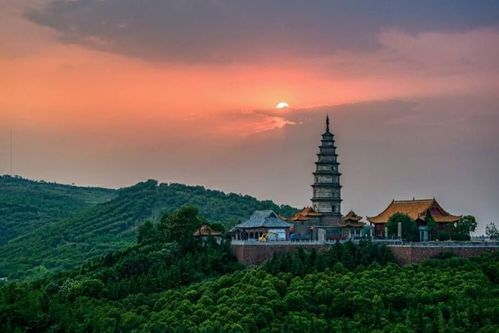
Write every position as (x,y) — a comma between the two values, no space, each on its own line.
(221,31)
(20,37)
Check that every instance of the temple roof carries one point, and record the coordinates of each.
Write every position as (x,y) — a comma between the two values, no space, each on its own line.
(305,214)
(351,220)
(205,230)
(352,216)
(263,219)
(415,209)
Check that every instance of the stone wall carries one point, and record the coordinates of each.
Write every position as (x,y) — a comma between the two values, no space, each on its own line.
(407,254)
(257,253)
(254,254)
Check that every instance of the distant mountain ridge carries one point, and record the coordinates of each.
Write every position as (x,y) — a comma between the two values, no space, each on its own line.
(106,226)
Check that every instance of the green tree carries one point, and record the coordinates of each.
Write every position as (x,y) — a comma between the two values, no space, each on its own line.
(410,230)
(446,232)
(71,289)
(465,226)
(146,232)
(180,225)
(431,224)
(491,231)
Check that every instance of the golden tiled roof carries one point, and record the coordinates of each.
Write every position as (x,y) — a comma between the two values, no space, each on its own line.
(305,214)
(205,230)
(416,209)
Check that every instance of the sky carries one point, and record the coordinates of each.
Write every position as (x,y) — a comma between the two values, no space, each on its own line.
(112,92)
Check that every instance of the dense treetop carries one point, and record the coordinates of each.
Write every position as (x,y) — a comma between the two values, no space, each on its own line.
(452,295)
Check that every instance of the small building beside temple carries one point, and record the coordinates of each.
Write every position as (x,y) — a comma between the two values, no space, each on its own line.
(351,226)
(262,222)
(309,224)
(417,210)
(304,224)
(205,232)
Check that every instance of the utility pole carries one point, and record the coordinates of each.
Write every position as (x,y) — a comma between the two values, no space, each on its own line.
(11,152)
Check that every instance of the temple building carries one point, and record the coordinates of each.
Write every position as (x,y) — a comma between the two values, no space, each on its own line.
(262,222)
(323,221)
(417,210)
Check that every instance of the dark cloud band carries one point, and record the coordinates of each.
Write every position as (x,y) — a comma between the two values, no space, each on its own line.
(223,31)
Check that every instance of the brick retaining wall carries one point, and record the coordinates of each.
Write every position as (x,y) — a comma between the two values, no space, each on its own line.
(254,254)
(407,254)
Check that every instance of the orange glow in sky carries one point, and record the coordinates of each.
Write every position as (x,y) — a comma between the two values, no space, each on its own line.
(49,83)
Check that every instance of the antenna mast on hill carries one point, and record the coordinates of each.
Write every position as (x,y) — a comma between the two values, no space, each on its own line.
(11,152)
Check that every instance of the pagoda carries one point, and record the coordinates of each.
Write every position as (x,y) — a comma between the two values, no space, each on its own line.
(326,188)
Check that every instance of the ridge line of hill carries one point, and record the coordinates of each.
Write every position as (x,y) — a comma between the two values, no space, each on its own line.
(92,230)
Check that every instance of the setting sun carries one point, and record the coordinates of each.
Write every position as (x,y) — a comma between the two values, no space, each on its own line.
(282,105)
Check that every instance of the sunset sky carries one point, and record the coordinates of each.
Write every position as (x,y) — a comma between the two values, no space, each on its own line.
(112,92)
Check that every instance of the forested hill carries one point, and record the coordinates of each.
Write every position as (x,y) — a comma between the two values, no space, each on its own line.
(171,282)
(111,225)
(26,205)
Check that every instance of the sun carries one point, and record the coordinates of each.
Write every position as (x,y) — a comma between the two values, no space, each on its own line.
(282,105)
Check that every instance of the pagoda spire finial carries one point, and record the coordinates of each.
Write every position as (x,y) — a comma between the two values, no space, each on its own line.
(327,123)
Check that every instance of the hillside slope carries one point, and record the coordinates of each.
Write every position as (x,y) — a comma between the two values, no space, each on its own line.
(26,205)
(111,225)
(162,285)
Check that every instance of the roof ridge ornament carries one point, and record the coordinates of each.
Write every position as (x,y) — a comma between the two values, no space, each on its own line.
(327,123)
